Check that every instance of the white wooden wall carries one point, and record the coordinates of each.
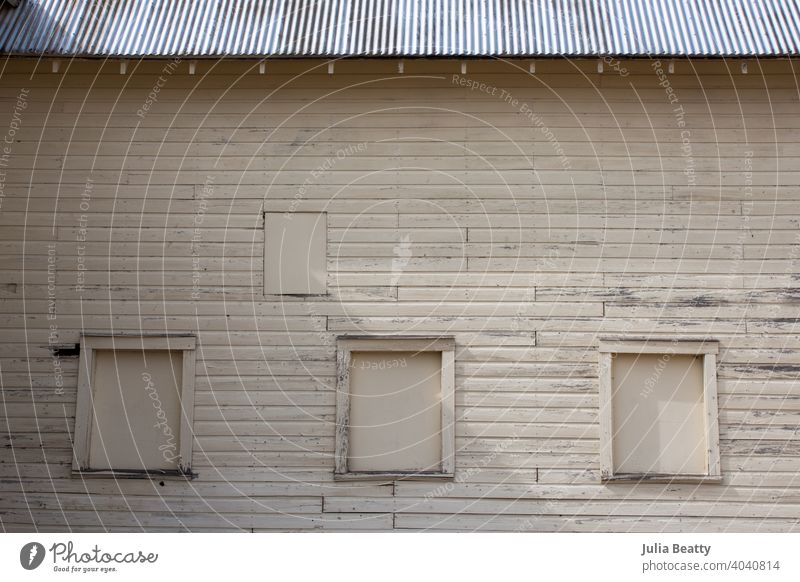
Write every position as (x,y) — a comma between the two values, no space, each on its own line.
(457,215)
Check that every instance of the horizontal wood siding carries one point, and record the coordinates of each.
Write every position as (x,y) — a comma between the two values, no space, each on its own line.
(452,210)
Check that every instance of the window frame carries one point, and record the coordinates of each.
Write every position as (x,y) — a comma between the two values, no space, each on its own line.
(346,345)
(84,410)
(708,349)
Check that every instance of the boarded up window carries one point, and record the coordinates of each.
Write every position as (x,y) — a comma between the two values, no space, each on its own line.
(658,414)
(295,254)
(395,407)
(395,411)
(135,397)
(660,410)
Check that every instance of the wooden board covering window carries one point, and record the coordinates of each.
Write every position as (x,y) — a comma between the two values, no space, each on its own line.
(657,404)
(137,410)
(395,411)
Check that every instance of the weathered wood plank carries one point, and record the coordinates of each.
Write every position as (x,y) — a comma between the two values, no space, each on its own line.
(465,223)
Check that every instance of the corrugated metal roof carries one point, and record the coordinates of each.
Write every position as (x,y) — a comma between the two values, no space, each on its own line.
(330,28)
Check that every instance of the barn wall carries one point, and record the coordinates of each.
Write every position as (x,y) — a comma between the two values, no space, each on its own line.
(626,204)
